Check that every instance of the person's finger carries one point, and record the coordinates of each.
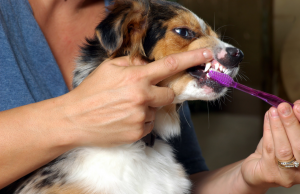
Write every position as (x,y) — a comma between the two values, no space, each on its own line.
(149,122)
(283,149)
(296,109)
(148,127)
(138,62)
(172,64)
(269,155)
(126,61)
(292,127)
(297,102)
(119,61)
(150,114)
(161,96)
(267,141)
(285,152)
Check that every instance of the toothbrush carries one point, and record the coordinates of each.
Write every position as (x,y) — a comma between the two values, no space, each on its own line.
(227,81)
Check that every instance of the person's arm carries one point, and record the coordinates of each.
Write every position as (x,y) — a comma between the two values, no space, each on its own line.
(31,136)
(227,180)
(99,112)
(35,134)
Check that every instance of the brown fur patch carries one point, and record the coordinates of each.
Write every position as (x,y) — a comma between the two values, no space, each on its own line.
(129,26)
(171,111)
(172,43)
(134,28)
(66,189)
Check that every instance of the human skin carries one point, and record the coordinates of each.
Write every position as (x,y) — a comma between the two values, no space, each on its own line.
(35,134)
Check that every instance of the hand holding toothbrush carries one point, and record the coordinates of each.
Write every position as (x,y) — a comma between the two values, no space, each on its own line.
(276,159)
(280,142)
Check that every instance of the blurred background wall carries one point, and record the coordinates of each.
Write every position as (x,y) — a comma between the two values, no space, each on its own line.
(268,32)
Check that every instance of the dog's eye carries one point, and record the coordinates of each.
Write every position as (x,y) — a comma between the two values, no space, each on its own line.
(185,33)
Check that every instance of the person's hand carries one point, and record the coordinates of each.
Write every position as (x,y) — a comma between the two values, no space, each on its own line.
(281,141)
(116,103)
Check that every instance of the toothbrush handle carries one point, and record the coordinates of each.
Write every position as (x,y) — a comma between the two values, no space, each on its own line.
(269,98)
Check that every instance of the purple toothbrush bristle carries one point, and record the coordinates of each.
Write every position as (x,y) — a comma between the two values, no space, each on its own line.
(221,78)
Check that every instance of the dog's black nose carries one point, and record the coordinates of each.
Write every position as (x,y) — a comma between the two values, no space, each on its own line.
(235,56)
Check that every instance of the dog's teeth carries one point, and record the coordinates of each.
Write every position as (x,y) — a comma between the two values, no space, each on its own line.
(221,68)
(208,65)
(217,66)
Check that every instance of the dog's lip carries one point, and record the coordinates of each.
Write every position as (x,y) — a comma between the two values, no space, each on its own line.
(200,71)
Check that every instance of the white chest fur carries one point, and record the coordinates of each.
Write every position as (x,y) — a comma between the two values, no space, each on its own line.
(127,169)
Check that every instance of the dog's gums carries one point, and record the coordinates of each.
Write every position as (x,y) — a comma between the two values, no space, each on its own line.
(200,72)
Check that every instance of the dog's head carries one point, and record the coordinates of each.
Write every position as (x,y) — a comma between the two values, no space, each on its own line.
(151,30)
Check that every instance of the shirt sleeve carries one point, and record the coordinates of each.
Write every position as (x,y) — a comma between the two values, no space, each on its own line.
(186,146)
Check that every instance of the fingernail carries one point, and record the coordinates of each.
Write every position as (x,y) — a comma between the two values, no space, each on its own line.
(207,54)
(274,112)
(266,116)
(286,110)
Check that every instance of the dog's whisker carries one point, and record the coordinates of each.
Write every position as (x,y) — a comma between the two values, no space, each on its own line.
(185,116)
(224,35)
(228,97)
(227,37)
(208,121)
(242,75)
(223,27)
(214,21)
(168,113)
(219,103)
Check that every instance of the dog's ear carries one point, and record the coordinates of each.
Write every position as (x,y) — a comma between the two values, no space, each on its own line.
(123,30)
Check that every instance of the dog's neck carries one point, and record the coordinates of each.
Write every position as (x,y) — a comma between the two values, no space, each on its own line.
(167,123)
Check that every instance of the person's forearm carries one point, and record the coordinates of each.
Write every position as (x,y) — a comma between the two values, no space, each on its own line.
(226,180)
(30,137)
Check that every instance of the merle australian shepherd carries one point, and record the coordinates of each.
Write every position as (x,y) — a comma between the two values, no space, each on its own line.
(150,30)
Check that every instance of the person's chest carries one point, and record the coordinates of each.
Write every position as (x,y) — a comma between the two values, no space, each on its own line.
(65,35)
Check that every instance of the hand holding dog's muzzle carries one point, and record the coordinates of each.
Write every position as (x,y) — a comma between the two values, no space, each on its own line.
(123,97)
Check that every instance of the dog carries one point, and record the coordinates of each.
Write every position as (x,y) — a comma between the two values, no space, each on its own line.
(149,30)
